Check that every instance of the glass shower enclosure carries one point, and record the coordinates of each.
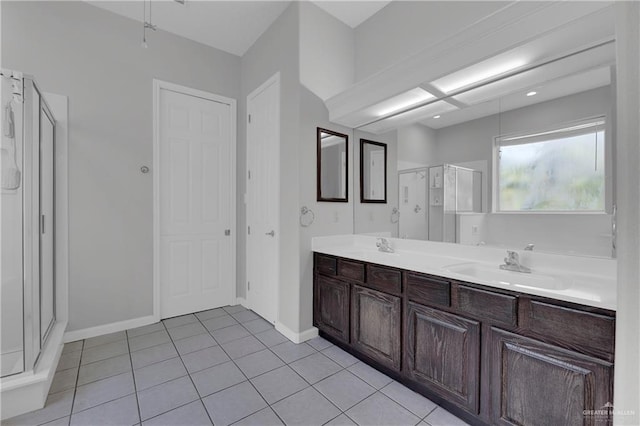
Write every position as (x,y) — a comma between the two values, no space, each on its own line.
(452,190)
(27,294)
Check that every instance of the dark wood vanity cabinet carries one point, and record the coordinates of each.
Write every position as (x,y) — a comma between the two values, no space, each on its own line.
(331,307)
(534,383)
(490,356)
(442,352)
(375,325)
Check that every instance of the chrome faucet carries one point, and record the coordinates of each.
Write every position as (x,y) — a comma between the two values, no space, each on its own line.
(529,247)
(512,263)
(383,245)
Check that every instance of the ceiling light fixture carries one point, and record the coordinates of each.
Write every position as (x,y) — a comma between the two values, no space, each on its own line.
(436,116)
(532,93)
(147,24)
(402,101)
(475,74)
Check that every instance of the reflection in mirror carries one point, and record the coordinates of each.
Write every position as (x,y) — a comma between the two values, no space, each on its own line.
(373,172)
(524,159)
(332,166)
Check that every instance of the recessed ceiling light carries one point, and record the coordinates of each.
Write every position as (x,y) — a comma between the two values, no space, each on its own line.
(402,101)
(436,116)
(532,93)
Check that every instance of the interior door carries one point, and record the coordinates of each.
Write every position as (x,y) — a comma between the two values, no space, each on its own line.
(195,191)
(263,195)
(47,289)
(376,175)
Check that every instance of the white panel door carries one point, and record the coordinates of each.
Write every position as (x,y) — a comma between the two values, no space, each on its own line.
(263,197)
(195,191)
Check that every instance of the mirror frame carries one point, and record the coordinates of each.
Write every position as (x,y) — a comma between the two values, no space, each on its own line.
(362,197)
(319,196)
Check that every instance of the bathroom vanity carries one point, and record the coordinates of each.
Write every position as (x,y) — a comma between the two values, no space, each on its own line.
(492,346)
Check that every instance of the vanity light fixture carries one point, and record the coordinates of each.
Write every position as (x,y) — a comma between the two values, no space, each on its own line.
(402,101)
(475,74)
(532,93)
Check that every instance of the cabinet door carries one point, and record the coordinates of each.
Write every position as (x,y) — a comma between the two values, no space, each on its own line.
(331,307)
(375,325)
(442,352)
(533,383)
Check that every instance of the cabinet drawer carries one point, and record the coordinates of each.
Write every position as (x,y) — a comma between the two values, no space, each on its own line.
(584,330)
(326,264)
(351,270)
(490,306)
(427,290)
(384,279)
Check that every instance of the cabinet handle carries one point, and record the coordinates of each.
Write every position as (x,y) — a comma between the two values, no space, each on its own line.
(42,224)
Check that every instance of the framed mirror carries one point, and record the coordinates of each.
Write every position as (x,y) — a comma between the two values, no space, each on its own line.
(373,172)
(333,166)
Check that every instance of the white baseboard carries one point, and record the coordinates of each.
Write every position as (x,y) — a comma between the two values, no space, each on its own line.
(241,301)
(86,333)
(296,337)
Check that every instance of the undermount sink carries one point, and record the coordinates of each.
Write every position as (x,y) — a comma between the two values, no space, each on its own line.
(516,279)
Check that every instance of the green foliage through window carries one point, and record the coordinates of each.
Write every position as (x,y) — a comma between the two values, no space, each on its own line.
(556,174)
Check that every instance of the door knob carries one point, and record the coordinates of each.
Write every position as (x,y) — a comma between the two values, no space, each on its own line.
(272,233)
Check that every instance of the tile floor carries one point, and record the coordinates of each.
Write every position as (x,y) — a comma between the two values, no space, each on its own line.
(222,366)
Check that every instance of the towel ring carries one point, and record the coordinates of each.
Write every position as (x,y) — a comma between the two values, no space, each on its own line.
(395,215)
(306,216)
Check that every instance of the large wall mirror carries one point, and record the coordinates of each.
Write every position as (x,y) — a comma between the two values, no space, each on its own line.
(373,171)
(525,157)
(333,169)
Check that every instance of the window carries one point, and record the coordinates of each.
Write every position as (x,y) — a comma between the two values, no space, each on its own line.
(559,170)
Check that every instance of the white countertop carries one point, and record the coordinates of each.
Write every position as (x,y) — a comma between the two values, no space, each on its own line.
(588,281)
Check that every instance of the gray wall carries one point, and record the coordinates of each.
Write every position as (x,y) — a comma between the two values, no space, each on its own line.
(330,218)
(95,58)
(327,53)
(416,146)
(404,28)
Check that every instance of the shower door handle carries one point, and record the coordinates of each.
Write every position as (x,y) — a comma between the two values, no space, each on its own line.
(42,224)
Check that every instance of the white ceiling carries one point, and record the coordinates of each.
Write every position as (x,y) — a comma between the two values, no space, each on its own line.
(352,13)
(231,25)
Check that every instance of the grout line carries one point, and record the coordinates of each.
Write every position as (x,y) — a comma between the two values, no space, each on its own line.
(330,420)
(432,410)
(207,331)
(133,376)
(189,374)
(75,389)
(247,379)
